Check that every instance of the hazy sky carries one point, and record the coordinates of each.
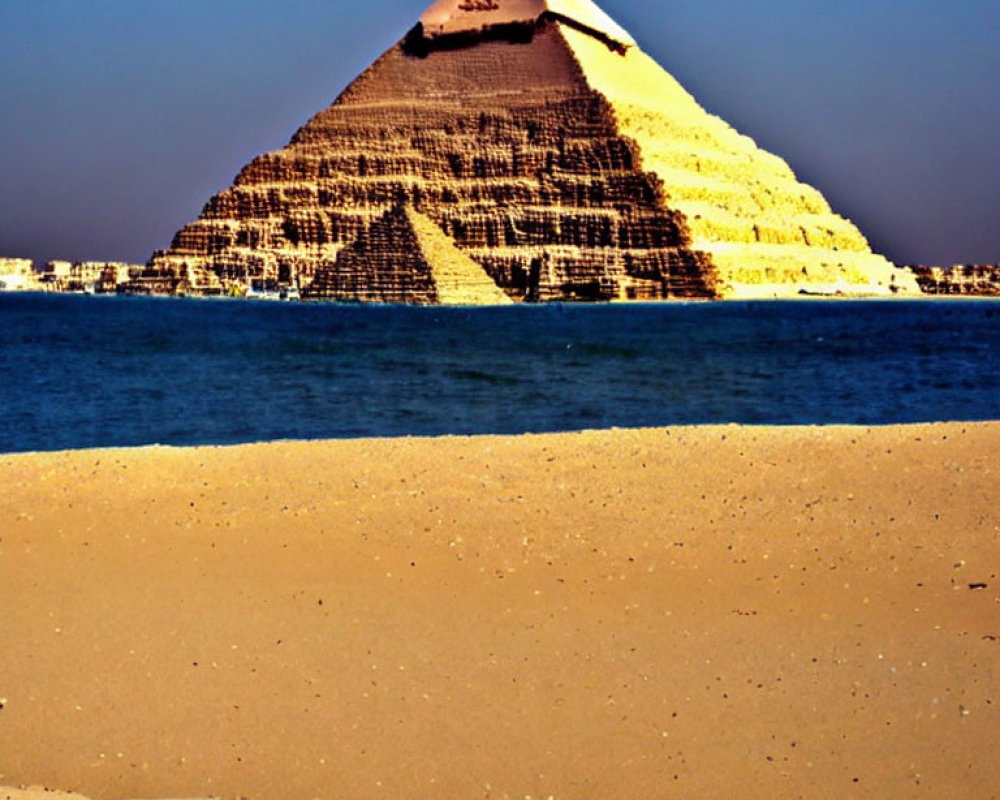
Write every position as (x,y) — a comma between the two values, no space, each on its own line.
(120,118)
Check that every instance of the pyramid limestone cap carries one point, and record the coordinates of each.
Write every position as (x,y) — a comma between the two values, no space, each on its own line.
(461,16)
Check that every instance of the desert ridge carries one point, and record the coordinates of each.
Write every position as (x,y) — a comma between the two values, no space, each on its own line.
(634,613)
(38,793)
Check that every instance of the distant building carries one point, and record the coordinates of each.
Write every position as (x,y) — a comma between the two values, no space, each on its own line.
(92,277)
(114,274)
(54,276)
(979,280)
(17,275)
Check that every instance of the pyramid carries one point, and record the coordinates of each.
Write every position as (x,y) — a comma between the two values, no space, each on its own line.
(520,150)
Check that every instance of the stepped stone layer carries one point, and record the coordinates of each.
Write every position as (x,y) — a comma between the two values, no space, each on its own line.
(518,150)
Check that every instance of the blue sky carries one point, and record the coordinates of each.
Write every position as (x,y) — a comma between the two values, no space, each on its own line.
(120,118)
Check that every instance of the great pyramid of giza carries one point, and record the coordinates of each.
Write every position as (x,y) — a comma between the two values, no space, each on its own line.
(511,150)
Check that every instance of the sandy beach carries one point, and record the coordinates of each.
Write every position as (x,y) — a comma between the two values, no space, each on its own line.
(688,612)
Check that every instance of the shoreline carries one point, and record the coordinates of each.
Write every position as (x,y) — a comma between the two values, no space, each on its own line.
(471,437)
(611,613)
(733,299)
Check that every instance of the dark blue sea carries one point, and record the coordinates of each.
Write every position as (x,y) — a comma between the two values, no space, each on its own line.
(78,371)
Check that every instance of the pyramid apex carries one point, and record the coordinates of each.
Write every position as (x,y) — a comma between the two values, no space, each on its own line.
(447,17)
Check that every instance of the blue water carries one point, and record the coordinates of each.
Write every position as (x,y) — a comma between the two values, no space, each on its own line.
(80,371)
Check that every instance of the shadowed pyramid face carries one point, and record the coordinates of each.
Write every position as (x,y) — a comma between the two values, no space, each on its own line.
(518,150)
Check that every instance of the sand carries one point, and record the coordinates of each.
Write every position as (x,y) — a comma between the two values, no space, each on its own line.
(694,612)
